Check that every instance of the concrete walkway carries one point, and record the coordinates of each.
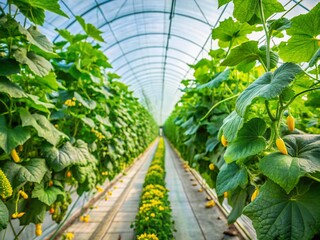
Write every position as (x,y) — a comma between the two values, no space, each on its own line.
(110,219)
(192,220)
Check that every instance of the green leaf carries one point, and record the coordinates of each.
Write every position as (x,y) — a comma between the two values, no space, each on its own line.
(49,81)
(276,215)
(12,137)
(216,81)
(231,125)
(313,99)
(91,30)
(278,25)
(314,59)
(303,157)
(67,155)
(31,171)
(69,37)
(230,177)
(10,88)
(8,66)
(223,2)
(104,120)
(42,125)
(211,144)
(231,31)
(39,40)
(35,212)
(46,195)
(34,9)
(238,199)
(304,32)
(245,10)
(249,141)
(33,101)
(268,86)
(88,121)
(37,64)
(90,104)
(4,216)
(249,52)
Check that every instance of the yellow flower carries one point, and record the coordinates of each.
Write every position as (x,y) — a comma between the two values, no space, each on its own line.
(210,204)
(161,208)
(110,193)
(99,189)
(211,166)
(69,236)
(152,215)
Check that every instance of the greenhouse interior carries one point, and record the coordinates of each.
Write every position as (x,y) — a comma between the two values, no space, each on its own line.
(159,120)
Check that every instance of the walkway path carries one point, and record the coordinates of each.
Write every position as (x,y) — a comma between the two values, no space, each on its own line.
(111,219)
(192,220)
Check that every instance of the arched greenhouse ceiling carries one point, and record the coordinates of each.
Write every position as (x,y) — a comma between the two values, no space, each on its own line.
(151,42)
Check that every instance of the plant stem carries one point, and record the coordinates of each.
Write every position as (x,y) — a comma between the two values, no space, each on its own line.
(313,178)
(21,230)
(298,94)
(268,111)
(266,33)
(214,106)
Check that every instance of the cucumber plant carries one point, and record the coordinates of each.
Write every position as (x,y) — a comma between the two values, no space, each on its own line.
(66,123)
(242,97)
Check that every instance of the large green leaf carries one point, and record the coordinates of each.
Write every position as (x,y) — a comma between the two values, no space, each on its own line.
(34,9)
(303,157)
(90,104)
(40,40)
(231,125)
(10,88)
(244,10)
(42,125)
(249,141)
(91,30)
(4,216)
(88,121)
(238,199)
(67,155)
(12,137)
(303,43)
(31,171)
(35,212)
(268,86)
(47,195)
(249,52)
(231,31)
(216,81)
(37,64)
(276,215)
(104,120)
(230,177)
(35,102)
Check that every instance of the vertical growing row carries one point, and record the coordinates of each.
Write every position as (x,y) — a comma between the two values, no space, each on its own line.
(66,124)
(154,219)
(253,110)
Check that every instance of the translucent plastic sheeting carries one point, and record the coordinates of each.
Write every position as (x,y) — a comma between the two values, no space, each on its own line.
(151,42)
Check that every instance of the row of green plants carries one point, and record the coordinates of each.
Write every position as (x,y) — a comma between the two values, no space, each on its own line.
(66,124)
(252,110)
(154,219)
